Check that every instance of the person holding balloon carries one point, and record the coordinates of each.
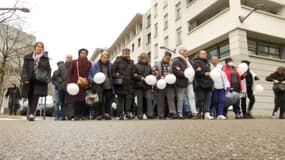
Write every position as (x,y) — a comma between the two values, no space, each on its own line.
(234,78)
(221,84)
(122,70)
(101,77)
(183,83)
(248,79)
(203,85)
(161,69)
(143,85)
(77,91)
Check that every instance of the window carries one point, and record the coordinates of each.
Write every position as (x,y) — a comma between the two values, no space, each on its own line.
(148,21)
(155,9)
(155,30)
(192,25)
(178,10)
(165,22)
(178,36)
(148,39)
(155,51)
(133,47)
(188,2)
(219,50)
(166,41)
(267,49)
(165,3)
(139,42)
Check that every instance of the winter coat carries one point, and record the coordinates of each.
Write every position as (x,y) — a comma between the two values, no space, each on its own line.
(123,68)
(39,88)
(141,71)
(97,67)
(201,80)
(229,76)
(84,68)
(63,70)
(13,94)
(181,80)
(56,80)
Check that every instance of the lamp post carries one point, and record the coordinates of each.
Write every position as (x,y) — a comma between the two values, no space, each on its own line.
(167,49)
(25,10)
(243,18)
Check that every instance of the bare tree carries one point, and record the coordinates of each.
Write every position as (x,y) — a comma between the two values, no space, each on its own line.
(14,44)
(7,16)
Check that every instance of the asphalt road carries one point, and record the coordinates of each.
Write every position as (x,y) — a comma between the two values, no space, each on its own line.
(150,140)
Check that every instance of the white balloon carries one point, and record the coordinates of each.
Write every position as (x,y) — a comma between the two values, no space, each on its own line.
(215,75)
(72,89)
(258,88)
(150,80)
(99,78)
(170,79)
(161,84)
(114,105)
(189,73)
(243,67)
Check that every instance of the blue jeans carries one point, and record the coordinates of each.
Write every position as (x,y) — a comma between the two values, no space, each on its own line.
(218,101)
(57,104)
(186,107)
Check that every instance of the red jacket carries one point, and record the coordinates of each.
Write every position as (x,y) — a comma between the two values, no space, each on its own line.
(229,76)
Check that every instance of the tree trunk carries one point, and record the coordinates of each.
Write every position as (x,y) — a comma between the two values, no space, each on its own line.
(2,74)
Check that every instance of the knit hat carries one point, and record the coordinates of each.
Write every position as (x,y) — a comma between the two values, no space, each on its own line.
(81,50)
(168,54)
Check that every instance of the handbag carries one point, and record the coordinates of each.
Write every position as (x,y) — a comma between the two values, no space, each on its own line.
(81,81)
(92,98)
(42,75)
(278,87)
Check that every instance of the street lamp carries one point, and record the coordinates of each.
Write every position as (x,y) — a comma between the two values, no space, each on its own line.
(25,10)
(170,50)
(243,18)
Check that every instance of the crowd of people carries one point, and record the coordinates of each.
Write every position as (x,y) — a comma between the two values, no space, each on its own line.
(125,93)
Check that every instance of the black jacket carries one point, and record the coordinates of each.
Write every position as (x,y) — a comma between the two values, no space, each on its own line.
(123,68)
(141,70)
(56,80)
(13,94)
(63,71)
(181,80)
(201,80)
(39,88)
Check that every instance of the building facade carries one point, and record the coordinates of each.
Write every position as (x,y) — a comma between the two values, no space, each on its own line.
(214,26)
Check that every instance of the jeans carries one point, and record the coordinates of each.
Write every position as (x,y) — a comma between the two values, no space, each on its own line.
(218,101)
(124,104)
(169,93)
(251,98)
(141,94)
(57,104)
(203,97)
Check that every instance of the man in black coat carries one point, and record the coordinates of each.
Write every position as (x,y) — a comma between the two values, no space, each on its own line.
(13,93)
(63,70)
(203,84)
(122,69)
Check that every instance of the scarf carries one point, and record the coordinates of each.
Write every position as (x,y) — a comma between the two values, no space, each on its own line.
(37,58)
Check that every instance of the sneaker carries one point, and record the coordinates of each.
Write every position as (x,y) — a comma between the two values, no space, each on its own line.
(238,116)
(129,116)
(172,116)
(99,118)
(274,115)
(221,117)
(107,116)
(208,116)
(144,116)
(31,118)
(122,117)
(180,116)
(140,117)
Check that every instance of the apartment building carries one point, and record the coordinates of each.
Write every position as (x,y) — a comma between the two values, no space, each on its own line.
(217,26)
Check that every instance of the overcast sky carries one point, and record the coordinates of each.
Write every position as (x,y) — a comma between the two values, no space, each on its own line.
(68,25)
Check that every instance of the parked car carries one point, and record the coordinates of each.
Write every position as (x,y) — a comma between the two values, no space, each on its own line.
(50,106)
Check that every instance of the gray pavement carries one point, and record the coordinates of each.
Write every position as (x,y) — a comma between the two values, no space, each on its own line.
(149,139)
